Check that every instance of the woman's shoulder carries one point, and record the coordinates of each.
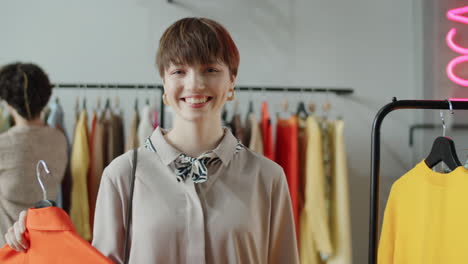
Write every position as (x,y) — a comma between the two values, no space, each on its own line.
(120,168)
(254,161)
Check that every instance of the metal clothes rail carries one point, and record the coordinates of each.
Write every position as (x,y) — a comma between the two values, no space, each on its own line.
(457,104)
(335,90)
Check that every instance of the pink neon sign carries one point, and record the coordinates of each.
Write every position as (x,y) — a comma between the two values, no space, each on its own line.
(457,16)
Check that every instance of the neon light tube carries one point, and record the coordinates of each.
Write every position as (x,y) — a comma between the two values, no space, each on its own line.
(456,15)
(452,45)
(450,67)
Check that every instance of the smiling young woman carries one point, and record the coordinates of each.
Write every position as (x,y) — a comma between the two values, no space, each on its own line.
(199,196)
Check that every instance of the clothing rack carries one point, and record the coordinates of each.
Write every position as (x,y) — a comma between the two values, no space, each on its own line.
(460,104)
(335,90)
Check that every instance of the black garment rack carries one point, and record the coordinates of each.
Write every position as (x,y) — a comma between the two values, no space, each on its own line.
(335,90)
(415,127)
(375,157)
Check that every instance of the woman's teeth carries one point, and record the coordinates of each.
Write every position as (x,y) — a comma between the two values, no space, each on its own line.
(196,100)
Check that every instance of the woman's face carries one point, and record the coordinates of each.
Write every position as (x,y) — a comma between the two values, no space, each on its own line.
(198,92)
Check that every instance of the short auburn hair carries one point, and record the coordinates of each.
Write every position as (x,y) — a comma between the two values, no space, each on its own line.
(195,40)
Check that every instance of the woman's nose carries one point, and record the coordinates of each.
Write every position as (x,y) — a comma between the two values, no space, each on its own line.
(195,82)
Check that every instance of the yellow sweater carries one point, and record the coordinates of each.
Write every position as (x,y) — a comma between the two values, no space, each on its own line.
(426,218)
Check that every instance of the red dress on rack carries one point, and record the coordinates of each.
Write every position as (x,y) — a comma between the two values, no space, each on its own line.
(265,125)
(287,155)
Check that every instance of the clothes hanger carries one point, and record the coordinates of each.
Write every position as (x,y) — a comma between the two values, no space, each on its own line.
(301,111)
(147,102)
(84,97)
(251,106)
(44,202)
(443,149)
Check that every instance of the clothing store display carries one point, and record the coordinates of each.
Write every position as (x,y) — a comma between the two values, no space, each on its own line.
(425,218)
(286,155)
(4,122)
(145,127)
(155,116)
(302,159)
(340,222)
(267,135)
(52,239)
(236,126)
(114,136)
(56,119)
(79,209)
(241,214)
(314,219)
(22,147)
(132,135)
(256,139)
(96,166)
(247,130)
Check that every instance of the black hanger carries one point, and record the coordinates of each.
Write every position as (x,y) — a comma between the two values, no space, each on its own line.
(443,149)
(301,110)
(224,114)
(136,104)
(43,203)
(107,105)
(251,106)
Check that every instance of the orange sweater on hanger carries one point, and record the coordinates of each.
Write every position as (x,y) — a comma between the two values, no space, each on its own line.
(52,239)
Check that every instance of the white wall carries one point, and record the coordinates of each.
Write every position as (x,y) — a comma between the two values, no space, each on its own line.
(372,46)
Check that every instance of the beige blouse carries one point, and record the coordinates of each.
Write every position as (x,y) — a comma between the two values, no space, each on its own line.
(21,147)
(241,214)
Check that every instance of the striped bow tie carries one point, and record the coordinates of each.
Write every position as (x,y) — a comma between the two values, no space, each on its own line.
(194,167)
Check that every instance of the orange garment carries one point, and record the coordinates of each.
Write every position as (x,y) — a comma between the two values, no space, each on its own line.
(265,124)
(286,155)
(52,239)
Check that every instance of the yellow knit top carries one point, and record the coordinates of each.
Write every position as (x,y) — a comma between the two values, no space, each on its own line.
(426,218)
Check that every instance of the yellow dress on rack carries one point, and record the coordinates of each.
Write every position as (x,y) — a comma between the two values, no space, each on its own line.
(426,218)
(314,221)
(340,222)
(79,208)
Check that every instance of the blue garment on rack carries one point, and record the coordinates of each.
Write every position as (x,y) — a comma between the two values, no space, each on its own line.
(55,119)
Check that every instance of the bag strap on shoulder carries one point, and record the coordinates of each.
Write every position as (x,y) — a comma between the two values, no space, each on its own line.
(130,205)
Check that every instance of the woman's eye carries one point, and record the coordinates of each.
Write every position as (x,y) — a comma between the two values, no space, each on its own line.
(177,72)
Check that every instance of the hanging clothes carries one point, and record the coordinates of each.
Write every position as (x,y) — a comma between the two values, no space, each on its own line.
(132,141)
(267,133)
(286,155)
(79,209)
(315,237)
(96,162)
(53,239)
(302,159)
(56,119)
(5,120)
(340,224)
(145,127)
(22,147)
(155,119)
(115,141)
(256,139)
(425,218)
(236,127)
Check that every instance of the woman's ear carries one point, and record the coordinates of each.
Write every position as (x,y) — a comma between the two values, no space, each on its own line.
(233,81)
